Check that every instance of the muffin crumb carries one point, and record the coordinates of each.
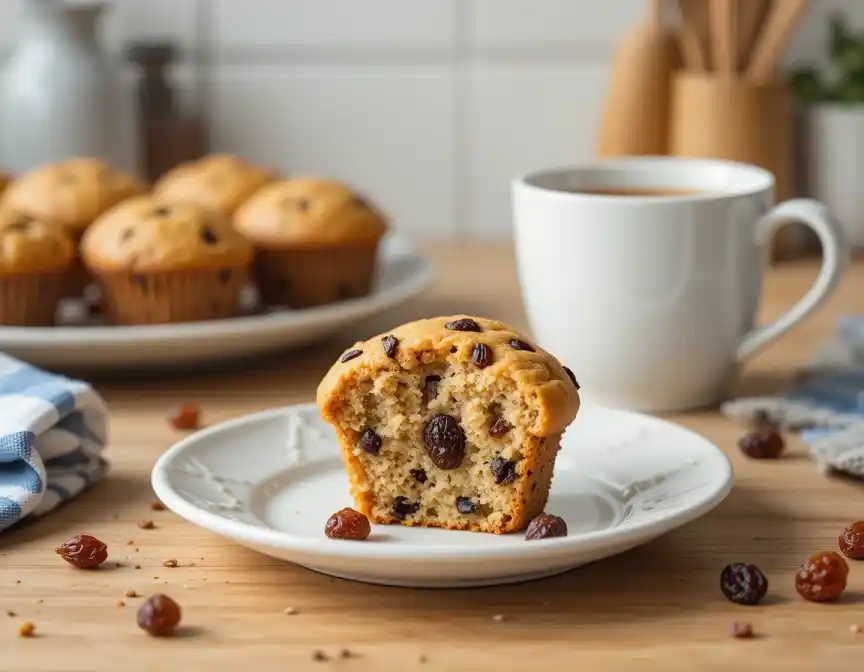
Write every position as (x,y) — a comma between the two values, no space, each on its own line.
(146,525)
(289,611)
(26,629)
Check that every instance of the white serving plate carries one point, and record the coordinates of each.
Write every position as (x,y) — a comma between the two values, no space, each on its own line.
(269,481)
(403,273)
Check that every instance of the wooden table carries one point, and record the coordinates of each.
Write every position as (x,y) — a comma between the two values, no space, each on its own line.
(657,607)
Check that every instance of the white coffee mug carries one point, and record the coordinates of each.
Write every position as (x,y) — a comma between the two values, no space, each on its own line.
(651,299)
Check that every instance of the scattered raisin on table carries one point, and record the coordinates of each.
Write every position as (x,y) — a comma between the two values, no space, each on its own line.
(391,345)
(742,630)
(852,541)
(157,505)
(351,354)
(402,508)
(763,443)
(83,551)
(743,584)
(445,441)
(465,505)
(503,470)
(482,355)
(348,524)
(516,344)
(370,441)
(499,428)
(146,525)
(546,526)
(822,578)
(465,324)
(159,616)
(187,416)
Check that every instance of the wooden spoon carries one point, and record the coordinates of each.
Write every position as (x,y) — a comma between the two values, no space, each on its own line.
(751,20)
(724,40)
(779,26)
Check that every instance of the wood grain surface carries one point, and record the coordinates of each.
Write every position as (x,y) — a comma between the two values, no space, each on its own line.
(655,608)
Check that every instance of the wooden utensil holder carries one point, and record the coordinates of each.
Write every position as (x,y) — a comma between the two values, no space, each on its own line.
(734,119)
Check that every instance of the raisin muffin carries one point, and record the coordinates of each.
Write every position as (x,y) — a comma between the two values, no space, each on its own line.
(221,182)
(72,193)
(451,422)
(37,259)
(317,241)
(5,181)
(160,262)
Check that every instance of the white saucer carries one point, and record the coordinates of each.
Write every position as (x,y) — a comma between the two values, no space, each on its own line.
(269,481)
(403,273)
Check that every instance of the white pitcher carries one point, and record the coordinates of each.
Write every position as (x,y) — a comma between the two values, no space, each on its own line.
(60,95)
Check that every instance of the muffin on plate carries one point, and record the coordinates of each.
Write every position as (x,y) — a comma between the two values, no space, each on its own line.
(450,422)
(222,182)
(159,262)
(5,181)
(316,241)
(71,193)
(36,261)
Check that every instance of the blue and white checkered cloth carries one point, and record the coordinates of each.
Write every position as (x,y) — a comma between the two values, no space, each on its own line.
(52,434)
(826,404)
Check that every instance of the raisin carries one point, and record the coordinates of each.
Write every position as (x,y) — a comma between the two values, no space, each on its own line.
(162,211)
(347,524)
(208,235)
(516,344)
(83,551)
(465,324)
(503,470)
(146,525)
(742,630)
(370,441)
(156,505)
(445,441)
(403,508)
(351,354)
(430,387)
(159,616)
(764,443)
(546,526)
(743,584)
(419,475)
(465,505)
(499,428)
(187,416)
(127,234)
(391,344)
(822,578)
(481,355)
(852,541)
(571,376)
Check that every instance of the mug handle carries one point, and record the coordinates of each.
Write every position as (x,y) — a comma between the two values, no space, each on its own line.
(835,258)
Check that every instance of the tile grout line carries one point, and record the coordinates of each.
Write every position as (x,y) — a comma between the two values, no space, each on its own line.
(463,26)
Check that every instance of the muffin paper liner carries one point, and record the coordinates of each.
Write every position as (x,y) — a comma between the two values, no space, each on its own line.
(30,300)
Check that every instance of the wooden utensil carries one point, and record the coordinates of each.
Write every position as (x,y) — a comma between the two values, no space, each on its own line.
(695,31)
(751,19)
(724,29)
(636,114)
(779,26)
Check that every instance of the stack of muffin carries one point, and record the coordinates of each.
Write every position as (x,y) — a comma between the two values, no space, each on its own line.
(183,250)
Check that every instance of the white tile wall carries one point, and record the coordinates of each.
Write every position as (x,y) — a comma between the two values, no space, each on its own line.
(429,105)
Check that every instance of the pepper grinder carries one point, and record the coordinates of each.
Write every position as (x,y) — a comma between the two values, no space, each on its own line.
(167,137)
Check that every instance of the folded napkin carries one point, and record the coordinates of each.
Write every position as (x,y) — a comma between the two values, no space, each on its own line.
(52,433)
(826,405)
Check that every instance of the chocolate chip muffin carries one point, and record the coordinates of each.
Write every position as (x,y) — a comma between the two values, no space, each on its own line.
(221,182)
(450,422)
(37,259)
(317,241)
(163,262)
(72,193)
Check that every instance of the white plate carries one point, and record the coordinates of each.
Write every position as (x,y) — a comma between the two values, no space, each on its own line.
(403,273)
(269,481)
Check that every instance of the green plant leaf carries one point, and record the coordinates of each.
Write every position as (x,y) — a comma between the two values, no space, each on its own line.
(840,40)
(808,86)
